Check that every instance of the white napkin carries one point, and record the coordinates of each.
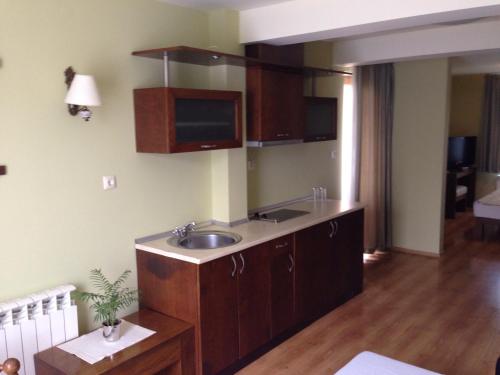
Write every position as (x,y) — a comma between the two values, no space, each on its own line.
(92,347)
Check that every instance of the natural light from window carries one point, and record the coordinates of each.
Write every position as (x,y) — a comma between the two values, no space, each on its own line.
(347,146)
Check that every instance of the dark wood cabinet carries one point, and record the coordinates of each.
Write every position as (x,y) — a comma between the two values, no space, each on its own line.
(459,202)
(275,105)
(253,298)
(219,314)
(291,54)
(320,119)
(348,250)
(329,258)
(314,277)
(170,351)
(169,120)
(282,293)
(239,303)
(235,310)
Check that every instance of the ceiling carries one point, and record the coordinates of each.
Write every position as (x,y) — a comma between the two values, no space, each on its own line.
(231,4)
(488,62)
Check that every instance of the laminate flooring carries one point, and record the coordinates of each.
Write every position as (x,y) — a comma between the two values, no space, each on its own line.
(441,314)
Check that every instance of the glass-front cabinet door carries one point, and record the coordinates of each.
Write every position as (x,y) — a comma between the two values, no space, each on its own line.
(320,119)
(170,120)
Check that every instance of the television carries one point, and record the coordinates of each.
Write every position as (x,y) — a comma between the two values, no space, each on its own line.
(461,152)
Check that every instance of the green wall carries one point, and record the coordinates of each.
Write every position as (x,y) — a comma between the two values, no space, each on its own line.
(56,221)
(419,154)
(286,172)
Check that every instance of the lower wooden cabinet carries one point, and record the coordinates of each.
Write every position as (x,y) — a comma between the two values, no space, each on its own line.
(253,298)
(348,255)
(240,302)
(335,272)
(219,314)
(282,291)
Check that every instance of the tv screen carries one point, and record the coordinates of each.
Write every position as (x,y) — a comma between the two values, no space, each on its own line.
(461,152)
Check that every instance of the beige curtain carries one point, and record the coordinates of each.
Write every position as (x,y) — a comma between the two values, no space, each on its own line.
(375,97)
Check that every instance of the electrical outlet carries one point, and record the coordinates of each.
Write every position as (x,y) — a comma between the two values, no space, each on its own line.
(108,182)
(333,154)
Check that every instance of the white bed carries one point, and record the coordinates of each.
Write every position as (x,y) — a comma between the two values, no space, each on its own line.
(488,207)
(368,363)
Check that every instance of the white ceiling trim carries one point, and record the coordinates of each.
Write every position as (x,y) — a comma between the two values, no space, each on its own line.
(217,4)
(308,20)
(437,41)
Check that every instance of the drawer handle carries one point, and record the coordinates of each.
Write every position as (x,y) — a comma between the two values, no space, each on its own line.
(292,263)
(233,272)
(320,138)
(242,263)
(283,135)
(281,245)
(208,146)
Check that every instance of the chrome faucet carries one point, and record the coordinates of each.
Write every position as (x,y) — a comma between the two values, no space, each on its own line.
(184,230)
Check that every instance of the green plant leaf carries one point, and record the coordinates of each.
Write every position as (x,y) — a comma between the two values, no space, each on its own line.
(112,299)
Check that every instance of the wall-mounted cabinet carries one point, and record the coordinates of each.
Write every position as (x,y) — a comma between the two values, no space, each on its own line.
(169,120)
(320,119)
(275,105)
(276,109)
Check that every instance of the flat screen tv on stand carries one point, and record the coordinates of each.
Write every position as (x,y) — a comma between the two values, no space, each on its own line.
(461,153)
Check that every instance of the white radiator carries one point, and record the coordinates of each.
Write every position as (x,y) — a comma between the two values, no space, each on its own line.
(35,323)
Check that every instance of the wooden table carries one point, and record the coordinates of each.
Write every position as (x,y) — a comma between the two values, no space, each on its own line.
(168,352)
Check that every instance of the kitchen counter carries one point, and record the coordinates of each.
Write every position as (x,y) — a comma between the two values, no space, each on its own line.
(255,232)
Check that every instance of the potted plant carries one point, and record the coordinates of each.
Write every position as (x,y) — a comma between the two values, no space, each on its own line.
(106,304)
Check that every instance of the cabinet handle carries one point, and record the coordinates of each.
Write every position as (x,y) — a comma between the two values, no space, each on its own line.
(332,233)
(208,146)
(283,135)
(336,227)
(233,272)
(320,138)
(292,263)
(281,245)
(242,263)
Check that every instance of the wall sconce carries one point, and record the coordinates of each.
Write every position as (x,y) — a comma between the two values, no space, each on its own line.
(82,93)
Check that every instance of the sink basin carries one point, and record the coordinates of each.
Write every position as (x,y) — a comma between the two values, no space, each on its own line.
(205,240)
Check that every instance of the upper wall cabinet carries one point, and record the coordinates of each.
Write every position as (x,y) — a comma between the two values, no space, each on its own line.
(180,120)
(275,105)
(320,119)
(169,120)
(275,108)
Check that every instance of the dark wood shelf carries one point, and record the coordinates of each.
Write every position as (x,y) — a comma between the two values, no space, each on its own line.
(198,56)
(3,170)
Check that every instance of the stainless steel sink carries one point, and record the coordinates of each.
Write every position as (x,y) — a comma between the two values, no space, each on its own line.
(205,240)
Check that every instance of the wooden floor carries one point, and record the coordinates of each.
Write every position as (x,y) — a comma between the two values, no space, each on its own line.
(441,314)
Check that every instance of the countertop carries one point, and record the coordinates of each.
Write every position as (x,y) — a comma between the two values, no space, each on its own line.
(255,232)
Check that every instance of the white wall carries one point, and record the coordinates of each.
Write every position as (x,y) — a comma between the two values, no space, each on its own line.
(435,41)
(419,154)
(311,20)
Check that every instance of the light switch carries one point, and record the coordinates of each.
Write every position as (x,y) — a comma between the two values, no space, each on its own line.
(333,155)
(108,182)
(252,164)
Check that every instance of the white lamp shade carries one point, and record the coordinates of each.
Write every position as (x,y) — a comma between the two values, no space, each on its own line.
(83,91)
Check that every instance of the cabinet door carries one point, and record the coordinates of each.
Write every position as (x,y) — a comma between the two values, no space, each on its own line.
(219,314)
(348,250)
(275,104)
(253,298)
(314,279)
(320,119)
(282,288)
